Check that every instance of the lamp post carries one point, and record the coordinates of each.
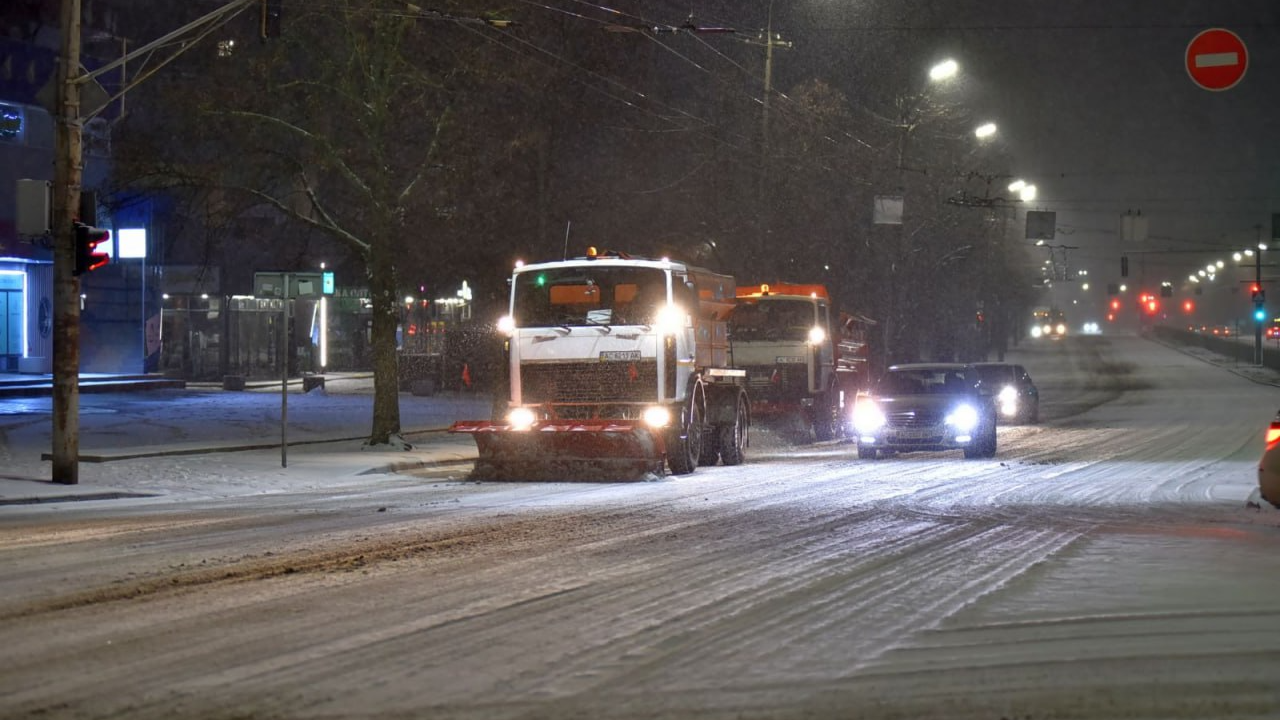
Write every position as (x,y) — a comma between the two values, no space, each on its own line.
(908,119)
(1260,309)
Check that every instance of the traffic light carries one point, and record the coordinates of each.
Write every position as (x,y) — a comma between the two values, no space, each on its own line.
(1188,306)
(88,257)
(1257,293)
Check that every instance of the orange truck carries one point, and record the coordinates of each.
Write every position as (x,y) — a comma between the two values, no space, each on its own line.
(804,360)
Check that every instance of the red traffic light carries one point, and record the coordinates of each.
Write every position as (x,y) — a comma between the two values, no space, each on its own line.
(88,257)
(1188,306)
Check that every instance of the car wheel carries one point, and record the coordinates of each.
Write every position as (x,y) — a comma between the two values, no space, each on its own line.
(986,448)
(867,453)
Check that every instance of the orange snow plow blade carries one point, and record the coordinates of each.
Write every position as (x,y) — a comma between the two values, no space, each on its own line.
(565,450)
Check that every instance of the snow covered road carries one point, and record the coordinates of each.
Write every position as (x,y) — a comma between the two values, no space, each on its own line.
(1102,565)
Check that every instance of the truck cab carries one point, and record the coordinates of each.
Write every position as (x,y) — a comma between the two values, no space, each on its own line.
(785,336)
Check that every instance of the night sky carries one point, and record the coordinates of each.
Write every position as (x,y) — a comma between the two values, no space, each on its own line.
(1094,104)
(1096,107)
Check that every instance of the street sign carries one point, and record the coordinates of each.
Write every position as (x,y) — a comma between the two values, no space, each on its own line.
(1216,59)
(302,285)
(1041,224)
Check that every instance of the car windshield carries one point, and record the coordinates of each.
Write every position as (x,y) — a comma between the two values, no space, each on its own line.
(771,319)
(995,374)
(925,381)
(588,295)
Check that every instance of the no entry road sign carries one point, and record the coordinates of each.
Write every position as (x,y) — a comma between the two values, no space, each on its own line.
(1216,59)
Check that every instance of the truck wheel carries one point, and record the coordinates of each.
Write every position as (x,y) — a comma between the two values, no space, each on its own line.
(685,445)
(710,447)
(867,453)
(826,417)
(733,437)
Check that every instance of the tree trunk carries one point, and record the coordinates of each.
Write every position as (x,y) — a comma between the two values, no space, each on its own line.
(386,381)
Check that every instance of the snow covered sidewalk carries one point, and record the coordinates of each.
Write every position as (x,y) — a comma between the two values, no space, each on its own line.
(210,443)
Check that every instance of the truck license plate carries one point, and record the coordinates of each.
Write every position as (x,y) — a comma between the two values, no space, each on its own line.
(615,355)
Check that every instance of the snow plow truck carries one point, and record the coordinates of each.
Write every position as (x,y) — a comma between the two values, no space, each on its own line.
(618,366)
(804,361)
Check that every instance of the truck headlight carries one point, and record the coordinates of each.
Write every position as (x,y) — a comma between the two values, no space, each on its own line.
(817,335)
(521,418)
(657,417)
(670,319)
(507,325)
(867,417)
(964,418)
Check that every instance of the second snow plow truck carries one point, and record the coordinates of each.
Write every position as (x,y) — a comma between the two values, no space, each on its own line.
(616,365)
(803,362)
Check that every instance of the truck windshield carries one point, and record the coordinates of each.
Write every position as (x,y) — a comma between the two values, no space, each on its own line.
(771,319)
(589,295)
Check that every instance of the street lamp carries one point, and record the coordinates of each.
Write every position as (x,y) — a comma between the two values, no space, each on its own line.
(944,70)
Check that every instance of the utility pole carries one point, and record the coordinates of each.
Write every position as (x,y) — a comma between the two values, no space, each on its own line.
(770,42)
(68,174)
(1257,281)
(68,170)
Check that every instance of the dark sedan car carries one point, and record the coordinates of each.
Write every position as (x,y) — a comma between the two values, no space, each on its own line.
(1017,398)
(926,406)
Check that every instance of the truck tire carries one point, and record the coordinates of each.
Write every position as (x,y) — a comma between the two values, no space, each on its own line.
(826,416)
(685,445)
(710,447)
(733,436)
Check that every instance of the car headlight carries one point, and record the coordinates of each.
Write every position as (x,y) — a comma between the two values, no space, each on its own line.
(817,335)
(1009,394)
(657,417)
(867,417)
(670,319)
(963,418)
(521,418)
